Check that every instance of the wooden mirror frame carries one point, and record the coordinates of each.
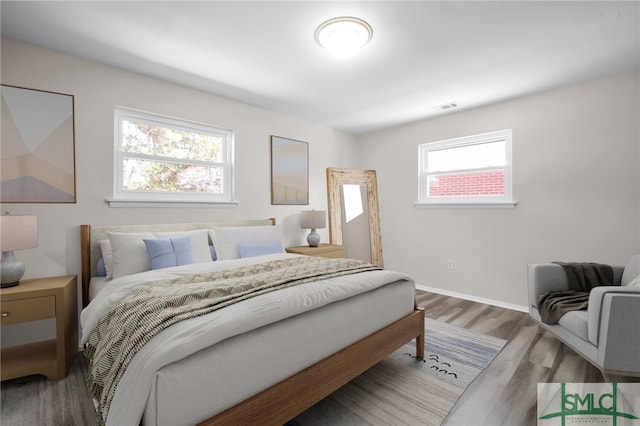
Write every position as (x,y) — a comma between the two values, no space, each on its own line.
(337,177)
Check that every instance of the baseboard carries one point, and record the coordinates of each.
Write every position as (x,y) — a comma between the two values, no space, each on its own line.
(492,302)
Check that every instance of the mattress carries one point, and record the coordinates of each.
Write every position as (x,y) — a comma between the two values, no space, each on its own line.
(201,366)
(196,388)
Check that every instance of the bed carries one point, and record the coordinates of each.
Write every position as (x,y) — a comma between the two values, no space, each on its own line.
(271,356)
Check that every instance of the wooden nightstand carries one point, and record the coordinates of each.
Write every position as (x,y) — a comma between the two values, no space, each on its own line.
(323,250)
(33,300)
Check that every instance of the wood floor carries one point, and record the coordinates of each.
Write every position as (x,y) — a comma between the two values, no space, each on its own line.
(505,393)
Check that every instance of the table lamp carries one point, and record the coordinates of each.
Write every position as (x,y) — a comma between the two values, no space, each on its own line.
(16,233)
(313,219)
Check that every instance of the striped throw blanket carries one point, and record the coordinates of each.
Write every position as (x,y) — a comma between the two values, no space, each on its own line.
(137,318)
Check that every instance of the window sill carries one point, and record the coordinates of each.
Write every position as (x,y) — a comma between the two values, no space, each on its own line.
(119,203)
(496,205)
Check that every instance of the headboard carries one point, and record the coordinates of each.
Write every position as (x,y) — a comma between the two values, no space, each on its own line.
(90,237)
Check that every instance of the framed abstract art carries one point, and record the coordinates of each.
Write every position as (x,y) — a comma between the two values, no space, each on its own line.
(37,146)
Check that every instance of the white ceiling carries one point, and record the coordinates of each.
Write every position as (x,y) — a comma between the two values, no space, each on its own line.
(423,53)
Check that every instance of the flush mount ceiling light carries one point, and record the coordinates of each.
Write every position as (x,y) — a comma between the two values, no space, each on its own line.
(343,36)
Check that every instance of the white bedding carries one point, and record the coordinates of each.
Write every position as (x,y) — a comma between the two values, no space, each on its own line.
(96,285)
(243,365)
(191,336)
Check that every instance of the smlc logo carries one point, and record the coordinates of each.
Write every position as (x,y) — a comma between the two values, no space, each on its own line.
(588,404)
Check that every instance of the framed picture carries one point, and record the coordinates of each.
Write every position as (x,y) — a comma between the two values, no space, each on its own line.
(37,147)
(289,171)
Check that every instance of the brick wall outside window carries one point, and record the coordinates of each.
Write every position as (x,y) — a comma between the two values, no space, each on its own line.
(465,184)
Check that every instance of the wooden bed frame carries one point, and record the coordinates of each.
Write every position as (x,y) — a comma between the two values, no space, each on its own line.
(285,400)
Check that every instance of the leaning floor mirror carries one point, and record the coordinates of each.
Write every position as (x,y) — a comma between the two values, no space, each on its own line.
(354,217)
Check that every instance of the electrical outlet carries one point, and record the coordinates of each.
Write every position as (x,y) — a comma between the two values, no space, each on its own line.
(450,264)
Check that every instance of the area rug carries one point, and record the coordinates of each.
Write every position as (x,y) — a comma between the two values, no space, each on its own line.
(400,390)
(403,390)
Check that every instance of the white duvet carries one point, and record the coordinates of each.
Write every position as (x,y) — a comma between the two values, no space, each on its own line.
(193,335)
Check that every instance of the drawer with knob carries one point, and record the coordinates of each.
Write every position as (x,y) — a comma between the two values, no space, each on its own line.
(23,310)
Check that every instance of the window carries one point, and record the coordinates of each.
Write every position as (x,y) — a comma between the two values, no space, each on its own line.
(161,159)
(470,170)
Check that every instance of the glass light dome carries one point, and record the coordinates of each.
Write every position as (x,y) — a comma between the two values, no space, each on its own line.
(343,36)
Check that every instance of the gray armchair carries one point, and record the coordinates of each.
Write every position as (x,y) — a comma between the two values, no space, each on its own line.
(607,333)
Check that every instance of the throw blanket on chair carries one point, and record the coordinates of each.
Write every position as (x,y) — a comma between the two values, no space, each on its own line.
(582,277)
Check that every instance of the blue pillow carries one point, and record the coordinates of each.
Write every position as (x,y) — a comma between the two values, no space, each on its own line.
(167,252)
(259,249)
(102,271)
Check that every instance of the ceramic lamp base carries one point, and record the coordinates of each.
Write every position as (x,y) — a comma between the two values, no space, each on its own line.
(313,238)
(11,270)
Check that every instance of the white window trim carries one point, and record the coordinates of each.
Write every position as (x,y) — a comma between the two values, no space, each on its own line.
(114,203)
(485,205)
(505,201)
(160,199)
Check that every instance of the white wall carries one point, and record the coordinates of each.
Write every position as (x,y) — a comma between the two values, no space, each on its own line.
(97,89)
(576,175)
(576,179)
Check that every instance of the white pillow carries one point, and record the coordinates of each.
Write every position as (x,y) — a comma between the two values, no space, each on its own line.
(130,254)
(107,256)
(634,282)
(631,270)
(226,239)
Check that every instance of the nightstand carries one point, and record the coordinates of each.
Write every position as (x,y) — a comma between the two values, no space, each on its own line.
(323,250)
(38,299)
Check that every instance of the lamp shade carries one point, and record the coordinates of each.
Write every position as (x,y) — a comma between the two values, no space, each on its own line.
(313,219)
(18,232)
